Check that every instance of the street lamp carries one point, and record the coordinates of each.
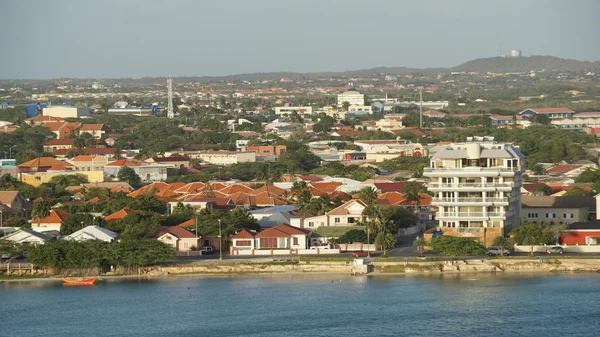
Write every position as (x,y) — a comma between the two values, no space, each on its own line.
(220,242)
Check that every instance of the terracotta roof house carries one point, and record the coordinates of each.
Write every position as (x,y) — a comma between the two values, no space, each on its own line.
(390,187)
(178,161)
(325,187)
(118,215)
(160,189)
(560,170)
(58,144)
(41,120)
(198,202)
(235,188)
(278,237)
(54,219)
(189,223)
(310,179)
(271,189)
(43,164)
(194,187)
(178,237)
(96,130)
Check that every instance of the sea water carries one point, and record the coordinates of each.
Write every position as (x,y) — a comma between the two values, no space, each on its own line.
(307,305)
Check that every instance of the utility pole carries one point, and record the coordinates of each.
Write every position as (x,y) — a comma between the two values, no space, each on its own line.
(220,242)
(421,107)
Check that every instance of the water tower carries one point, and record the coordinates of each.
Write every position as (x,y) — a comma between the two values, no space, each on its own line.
(514,53)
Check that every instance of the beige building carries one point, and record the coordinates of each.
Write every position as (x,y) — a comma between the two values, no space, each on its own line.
(348,214)
(352,96)
(65,111)
(302,110)
(557,210)
(390,151)
(37,178)
(223,157)
(89,163)
(476,187)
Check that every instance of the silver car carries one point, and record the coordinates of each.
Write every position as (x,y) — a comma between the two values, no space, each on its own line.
(496,251)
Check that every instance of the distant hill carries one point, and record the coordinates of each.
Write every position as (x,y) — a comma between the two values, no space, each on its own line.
(523,64)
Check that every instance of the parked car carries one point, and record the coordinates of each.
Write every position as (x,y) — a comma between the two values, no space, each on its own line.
(555,250)
(207,250)
(320,247)
(496,251)
(360,253)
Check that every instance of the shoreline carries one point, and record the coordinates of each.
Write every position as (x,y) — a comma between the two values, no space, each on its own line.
(333,268)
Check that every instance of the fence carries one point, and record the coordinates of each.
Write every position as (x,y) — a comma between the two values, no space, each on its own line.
(273,252)
(566,248)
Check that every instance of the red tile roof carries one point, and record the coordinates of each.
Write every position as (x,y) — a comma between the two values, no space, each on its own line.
(279,231)
(561,169)
(55,216)
(118,215)
(65,141)
(243,234)
(176,231)
(390,187)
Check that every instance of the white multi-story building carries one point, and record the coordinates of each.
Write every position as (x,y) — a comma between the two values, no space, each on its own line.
(352,96)
(476,187)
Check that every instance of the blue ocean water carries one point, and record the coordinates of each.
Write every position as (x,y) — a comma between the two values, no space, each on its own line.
(308,305)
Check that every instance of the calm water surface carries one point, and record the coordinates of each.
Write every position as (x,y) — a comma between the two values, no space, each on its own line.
(307,305)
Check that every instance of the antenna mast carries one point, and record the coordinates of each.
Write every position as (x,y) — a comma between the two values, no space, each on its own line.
(170,113)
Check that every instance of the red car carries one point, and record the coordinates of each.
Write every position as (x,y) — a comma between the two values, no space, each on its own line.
(360,253)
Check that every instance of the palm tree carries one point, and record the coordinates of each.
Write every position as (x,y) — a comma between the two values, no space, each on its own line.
(345,106)
(412,193)
(368,195)
(302,192)
(41,209)
(420,243)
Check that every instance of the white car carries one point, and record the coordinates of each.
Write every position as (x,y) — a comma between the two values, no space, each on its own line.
(320,247)
(496,251)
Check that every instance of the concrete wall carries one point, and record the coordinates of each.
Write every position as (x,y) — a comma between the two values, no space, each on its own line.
(350,247)
(270,252)
(65,111)
(566,248)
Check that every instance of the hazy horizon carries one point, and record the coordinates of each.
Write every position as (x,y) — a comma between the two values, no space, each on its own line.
(136,38)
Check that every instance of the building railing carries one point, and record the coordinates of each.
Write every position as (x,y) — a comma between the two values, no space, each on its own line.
(471,199)
(470,185)
(470,214)
(468,229)
(472,169)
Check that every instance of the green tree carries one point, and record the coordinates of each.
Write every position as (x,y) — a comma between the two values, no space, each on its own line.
(457,246)
(542,190)
(145,252)
(128,175)
(412,191)
(41,209)
(420,243)
(502,242)
(386,241)
(17,222)
(353,236)
(78,221)
(368,195)
(535,234)
(345,106)
(577,192)
(539,170)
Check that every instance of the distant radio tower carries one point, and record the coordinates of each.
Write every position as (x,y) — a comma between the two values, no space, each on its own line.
(170,113)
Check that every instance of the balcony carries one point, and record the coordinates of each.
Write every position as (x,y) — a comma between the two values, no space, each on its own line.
(470,171)
(470,186)
(475,201)
(457,215)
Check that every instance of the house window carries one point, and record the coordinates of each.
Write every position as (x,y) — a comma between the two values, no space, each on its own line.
(243,243)
(268,243)
(550,215)
(311,224)
(296,242)
(185,245)
(590,240)
(337,220)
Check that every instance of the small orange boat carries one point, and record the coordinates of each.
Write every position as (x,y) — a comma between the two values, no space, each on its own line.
(86,281)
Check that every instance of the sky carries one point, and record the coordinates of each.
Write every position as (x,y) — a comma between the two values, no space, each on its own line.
(136,38)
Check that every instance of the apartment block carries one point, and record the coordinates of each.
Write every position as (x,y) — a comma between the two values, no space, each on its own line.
(476,187)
